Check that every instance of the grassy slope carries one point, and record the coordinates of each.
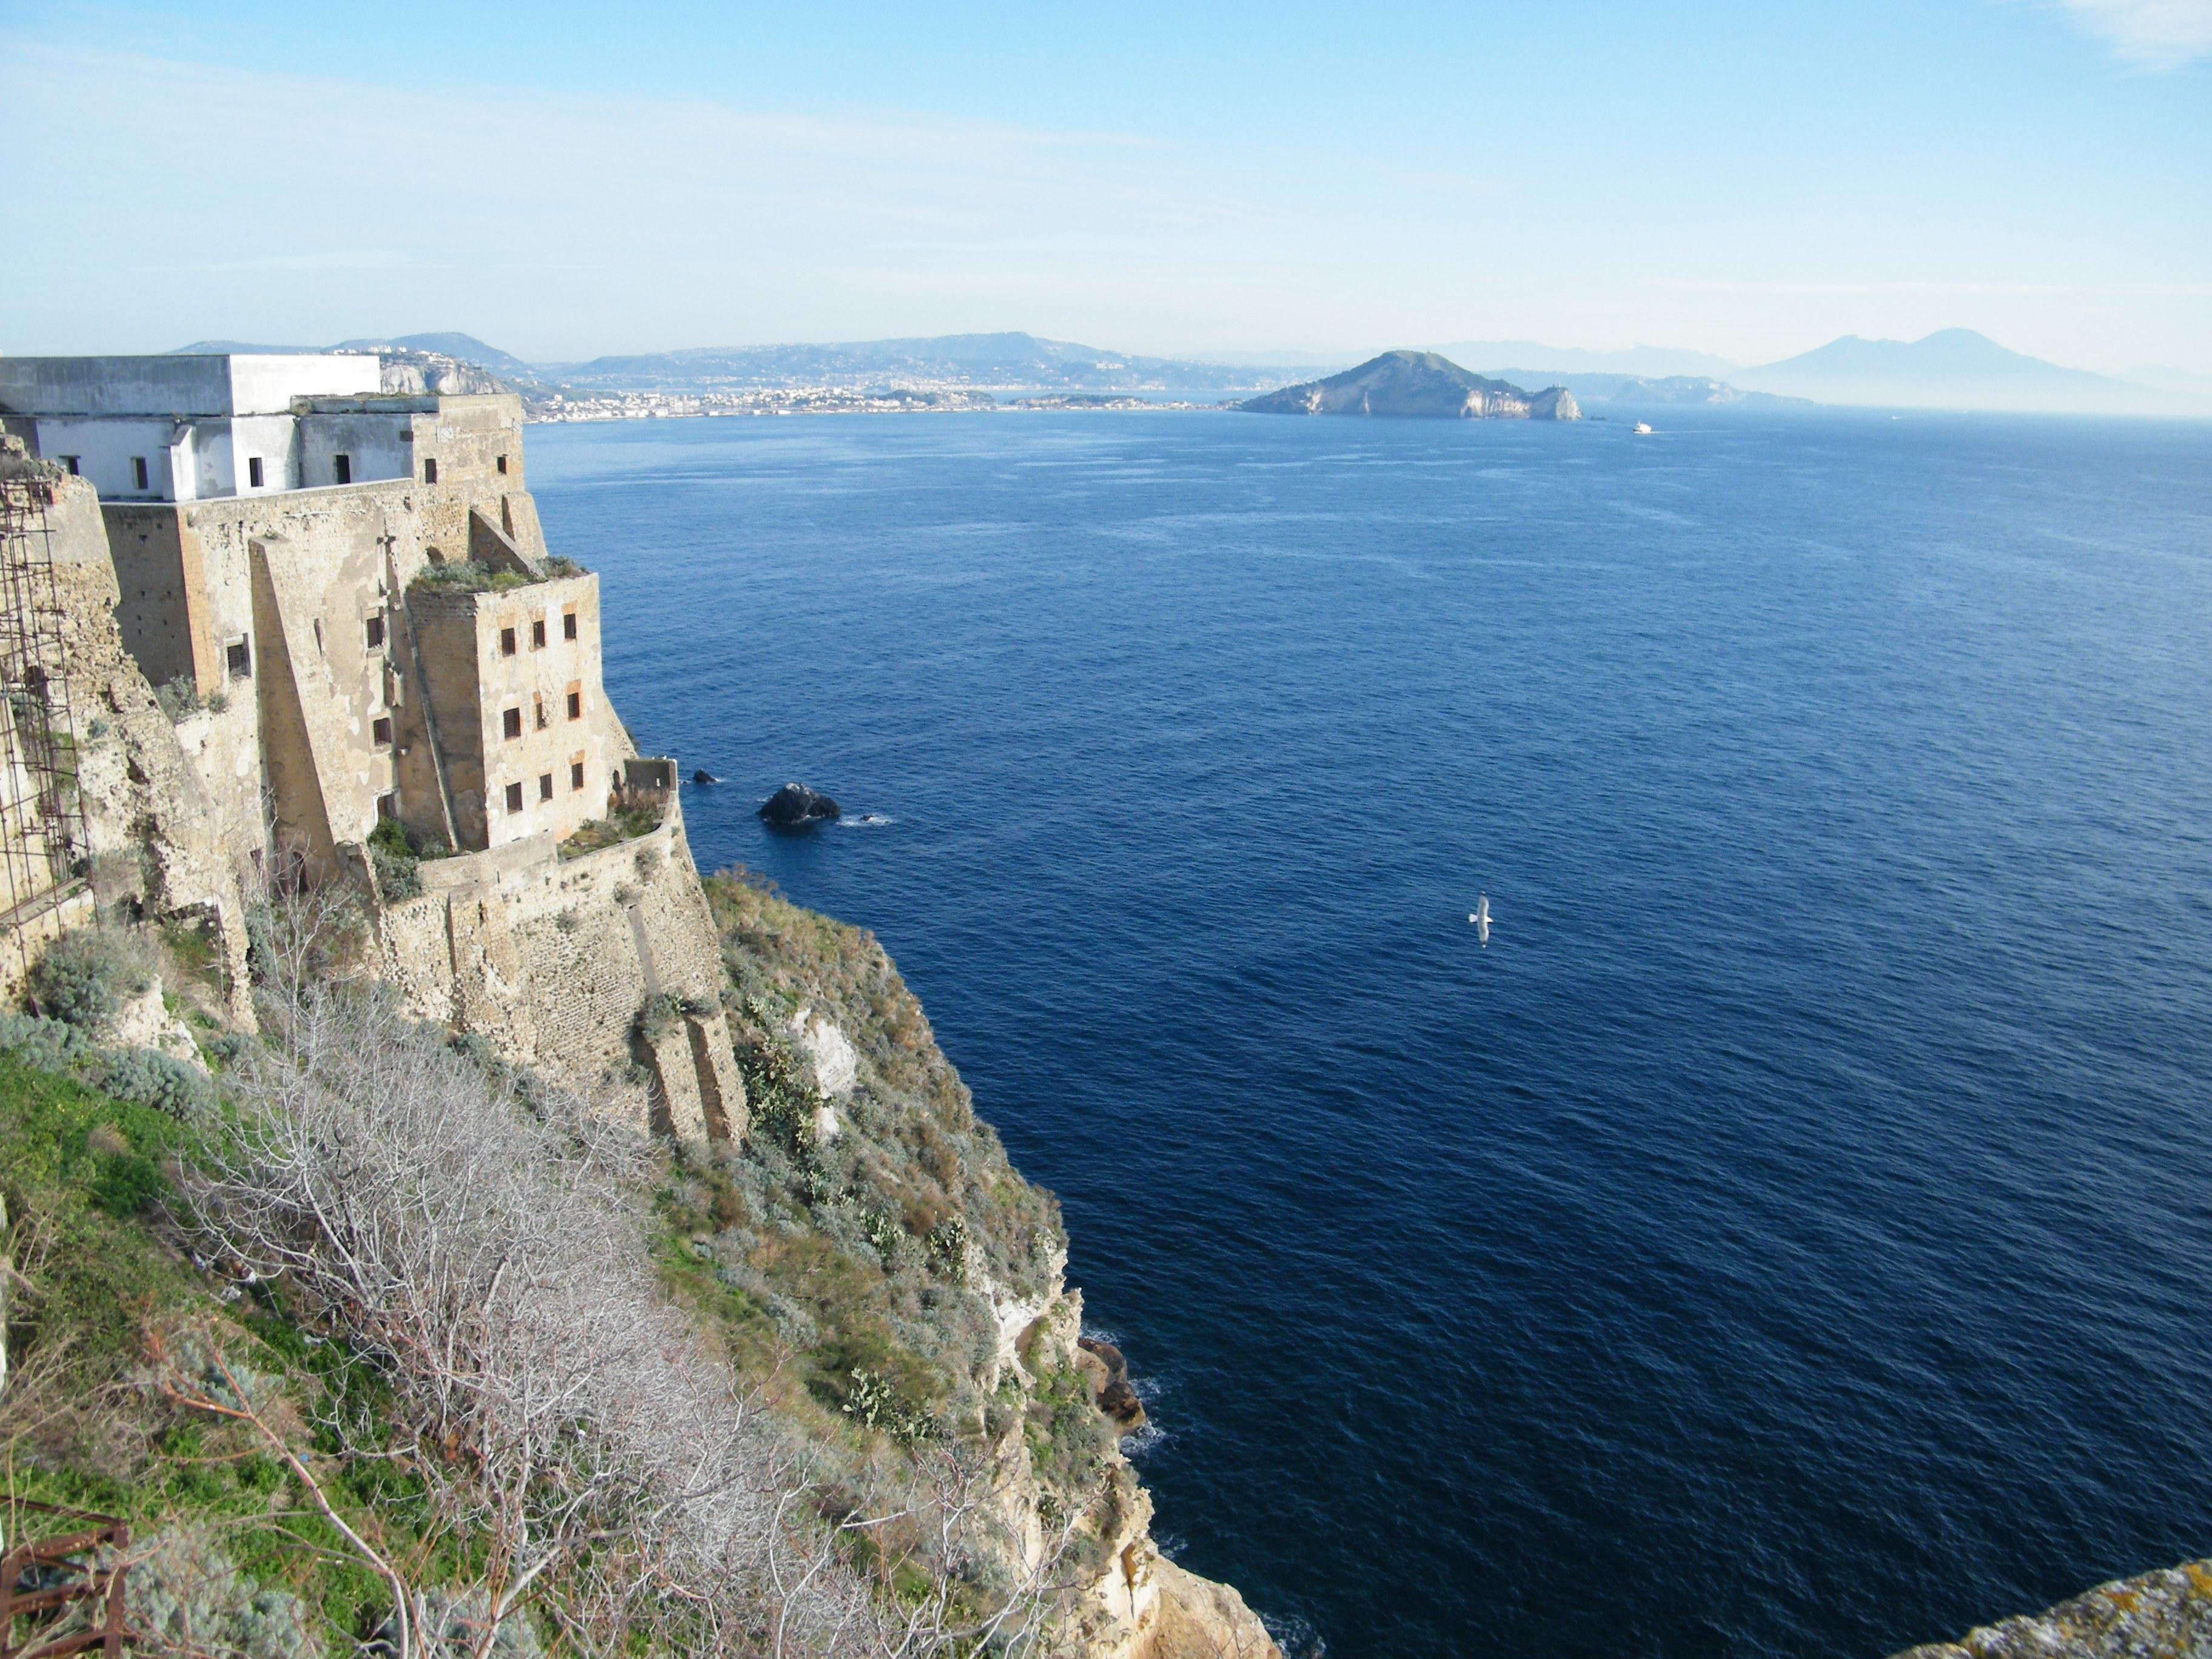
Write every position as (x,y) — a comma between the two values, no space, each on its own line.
(105,1286)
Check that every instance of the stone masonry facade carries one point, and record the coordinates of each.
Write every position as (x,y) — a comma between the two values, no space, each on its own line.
(405,648)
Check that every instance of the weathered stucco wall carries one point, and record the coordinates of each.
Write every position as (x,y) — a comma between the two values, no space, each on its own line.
(115,386)
(196,425)
(371,442)
(530,742)
(104,451)
(554,959)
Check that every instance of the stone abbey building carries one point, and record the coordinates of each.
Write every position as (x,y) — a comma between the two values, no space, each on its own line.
(342,603)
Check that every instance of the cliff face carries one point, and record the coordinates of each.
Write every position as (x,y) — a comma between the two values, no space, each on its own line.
(1417,384)
(871,1222)
(2160,1612)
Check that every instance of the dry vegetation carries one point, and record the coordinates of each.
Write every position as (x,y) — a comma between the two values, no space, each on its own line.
(399,1349)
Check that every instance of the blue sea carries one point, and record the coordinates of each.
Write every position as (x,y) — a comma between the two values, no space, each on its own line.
(1792,1233)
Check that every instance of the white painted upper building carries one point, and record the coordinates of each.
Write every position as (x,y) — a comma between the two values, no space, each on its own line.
(185,429)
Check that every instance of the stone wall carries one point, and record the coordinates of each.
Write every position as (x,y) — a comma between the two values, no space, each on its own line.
(552,960)
(476,444)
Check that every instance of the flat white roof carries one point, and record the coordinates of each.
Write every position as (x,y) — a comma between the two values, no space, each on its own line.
(263,383)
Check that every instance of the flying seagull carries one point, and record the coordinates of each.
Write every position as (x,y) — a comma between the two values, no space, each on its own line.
(1480,917)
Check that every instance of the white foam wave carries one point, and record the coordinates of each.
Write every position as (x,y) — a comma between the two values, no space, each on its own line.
(1134,1446)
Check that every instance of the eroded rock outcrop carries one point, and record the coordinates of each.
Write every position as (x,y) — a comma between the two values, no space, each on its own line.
(156,845)
(2160,1613)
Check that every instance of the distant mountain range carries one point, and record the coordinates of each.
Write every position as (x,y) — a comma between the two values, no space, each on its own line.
(1956,368)
(1007,362)
(1417,384)
(1499,356)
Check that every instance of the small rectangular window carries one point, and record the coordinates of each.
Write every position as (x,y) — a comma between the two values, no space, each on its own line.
(502,464)
(70,462)
(387,806)
(380,731)
(342,468)
(511,722)
(373,627)
(238,659)
(545,785)
(567,624)
(506,641)
(538,635)
(575,775)
(514,798)
(540,701)
(253,470)
(430,471)
(138,471)
(575,705)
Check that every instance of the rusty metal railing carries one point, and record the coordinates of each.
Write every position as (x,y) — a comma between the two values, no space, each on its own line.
(41,1578)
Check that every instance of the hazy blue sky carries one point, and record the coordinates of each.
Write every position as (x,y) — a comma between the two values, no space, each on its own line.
(1749,179)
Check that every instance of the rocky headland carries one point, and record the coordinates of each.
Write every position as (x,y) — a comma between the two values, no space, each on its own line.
(1418,384)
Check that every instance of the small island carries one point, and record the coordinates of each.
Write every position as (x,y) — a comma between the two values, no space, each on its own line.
(1418,384)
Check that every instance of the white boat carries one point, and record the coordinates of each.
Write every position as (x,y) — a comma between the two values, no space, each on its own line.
(1479,917)
(1643,429)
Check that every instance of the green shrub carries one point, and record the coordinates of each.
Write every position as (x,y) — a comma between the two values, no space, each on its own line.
(658,1016)
(47,1045)
(466,576)
(84,976)
(146,1077)
(948,1248)
(394,853)
(179,697)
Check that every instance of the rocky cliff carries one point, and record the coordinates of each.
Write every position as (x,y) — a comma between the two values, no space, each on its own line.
(1417,384)
(871,1223)
(2166,1612)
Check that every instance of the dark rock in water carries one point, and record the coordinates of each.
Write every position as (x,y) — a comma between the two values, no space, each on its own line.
(795,805)
(702,775)
(1116,1398)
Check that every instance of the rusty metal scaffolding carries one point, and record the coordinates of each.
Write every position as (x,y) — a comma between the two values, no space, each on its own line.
(42,834)
(44,1583)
